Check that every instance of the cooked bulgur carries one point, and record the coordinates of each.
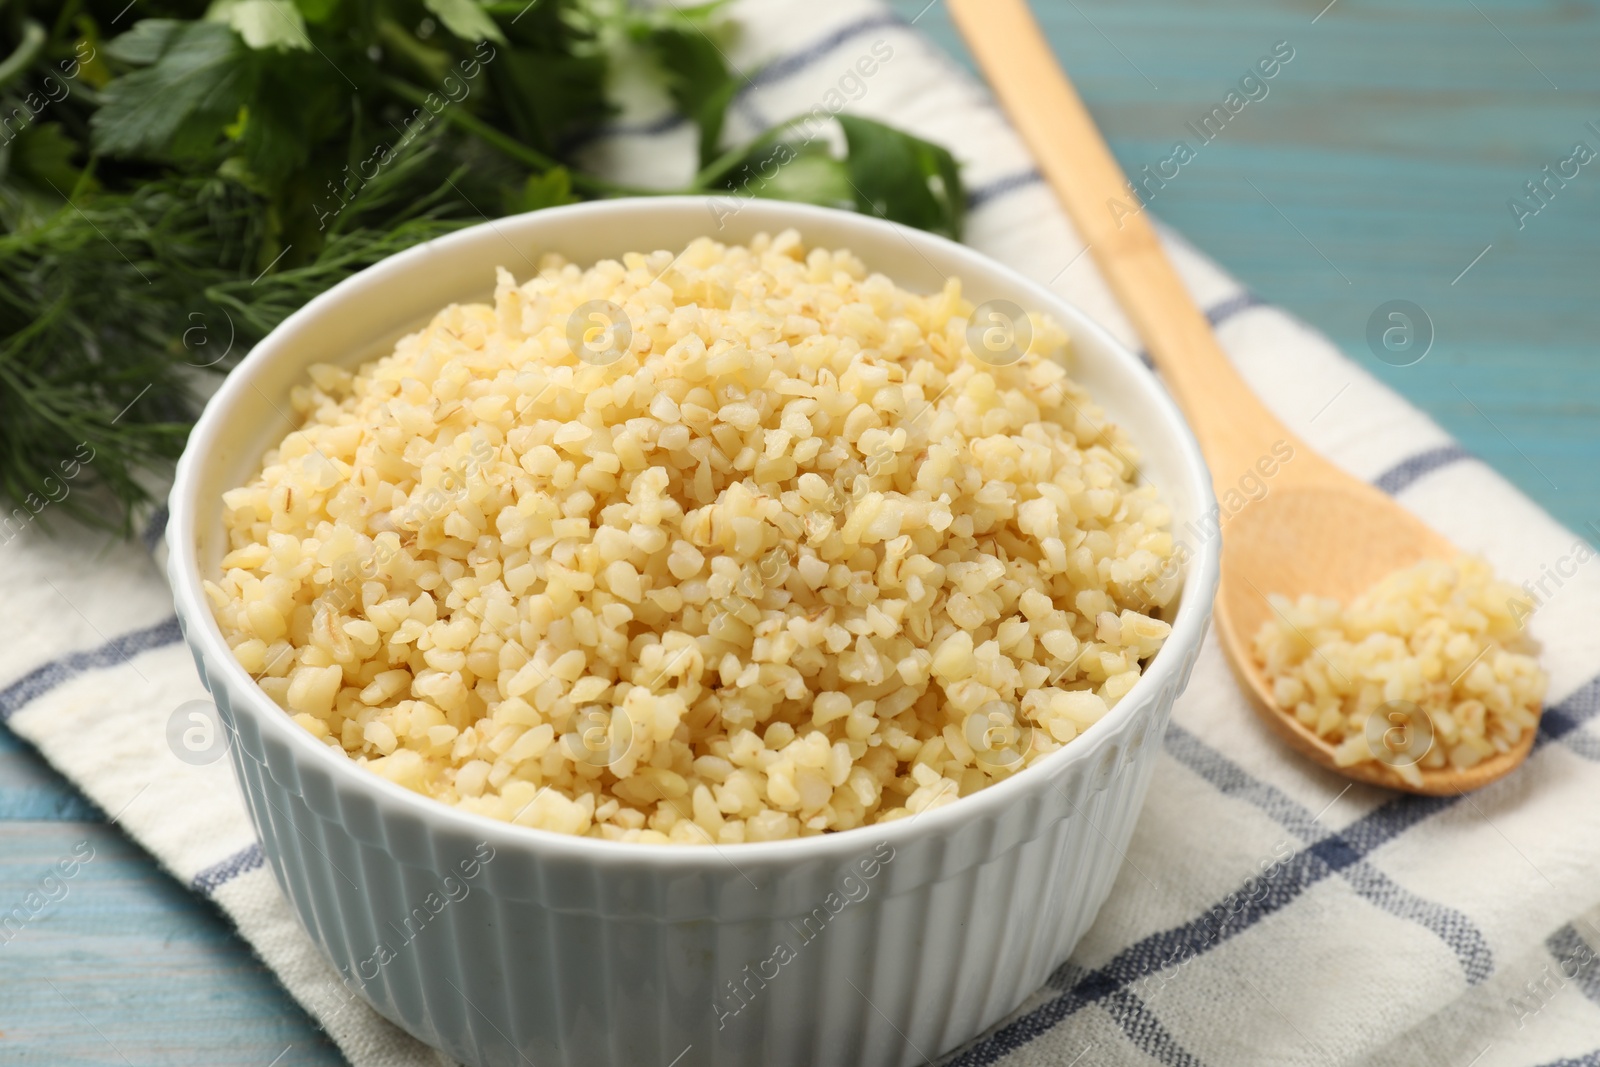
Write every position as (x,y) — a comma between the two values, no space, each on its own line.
(764,550)
(1444,639)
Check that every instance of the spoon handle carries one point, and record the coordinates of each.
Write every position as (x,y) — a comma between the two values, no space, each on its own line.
(1234,428)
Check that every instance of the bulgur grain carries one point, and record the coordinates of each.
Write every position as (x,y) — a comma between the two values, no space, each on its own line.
(795,560)
(1447,640)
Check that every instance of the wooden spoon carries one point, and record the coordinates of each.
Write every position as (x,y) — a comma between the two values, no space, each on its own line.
(1317,530)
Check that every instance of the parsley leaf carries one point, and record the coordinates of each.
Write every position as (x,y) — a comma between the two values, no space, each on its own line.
(903,178)
(550,189)
(884,172)
(263,23)
(199,75)
(791,170)
(466,19)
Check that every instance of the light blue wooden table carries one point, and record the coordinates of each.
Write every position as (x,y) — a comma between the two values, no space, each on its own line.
(1382,162)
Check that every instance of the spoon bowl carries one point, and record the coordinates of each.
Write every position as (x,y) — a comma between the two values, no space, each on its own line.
(1320,532)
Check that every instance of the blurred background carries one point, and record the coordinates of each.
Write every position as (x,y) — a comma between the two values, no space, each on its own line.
(1381,166)
(1378,168)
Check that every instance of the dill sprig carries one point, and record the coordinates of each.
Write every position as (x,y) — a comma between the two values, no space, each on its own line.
(89,364)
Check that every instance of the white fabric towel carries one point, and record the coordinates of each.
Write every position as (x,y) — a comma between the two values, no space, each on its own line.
(1388,930)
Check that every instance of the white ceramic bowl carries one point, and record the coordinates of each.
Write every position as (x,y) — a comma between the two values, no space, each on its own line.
(507,945)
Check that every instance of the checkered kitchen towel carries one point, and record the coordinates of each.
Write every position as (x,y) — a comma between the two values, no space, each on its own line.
(1268,914)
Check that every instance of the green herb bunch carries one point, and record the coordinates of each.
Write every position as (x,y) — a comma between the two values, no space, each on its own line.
(176,178)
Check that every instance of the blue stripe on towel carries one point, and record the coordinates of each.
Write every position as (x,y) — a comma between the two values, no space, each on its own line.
(1333,854)
(1590,1060)
(795,62)
(1452,927)
(1448,924)
(1559,721)
(41,680)
(655,127)
(154,529)
(1146,1032)
(1576,961)
(1217,314)
(212,878)
(1402,475)
(1585,745)
(1000,187)
(1220,313)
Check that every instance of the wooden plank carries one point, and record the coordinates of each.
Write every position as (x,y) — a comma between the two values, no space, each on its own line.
(120,964)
